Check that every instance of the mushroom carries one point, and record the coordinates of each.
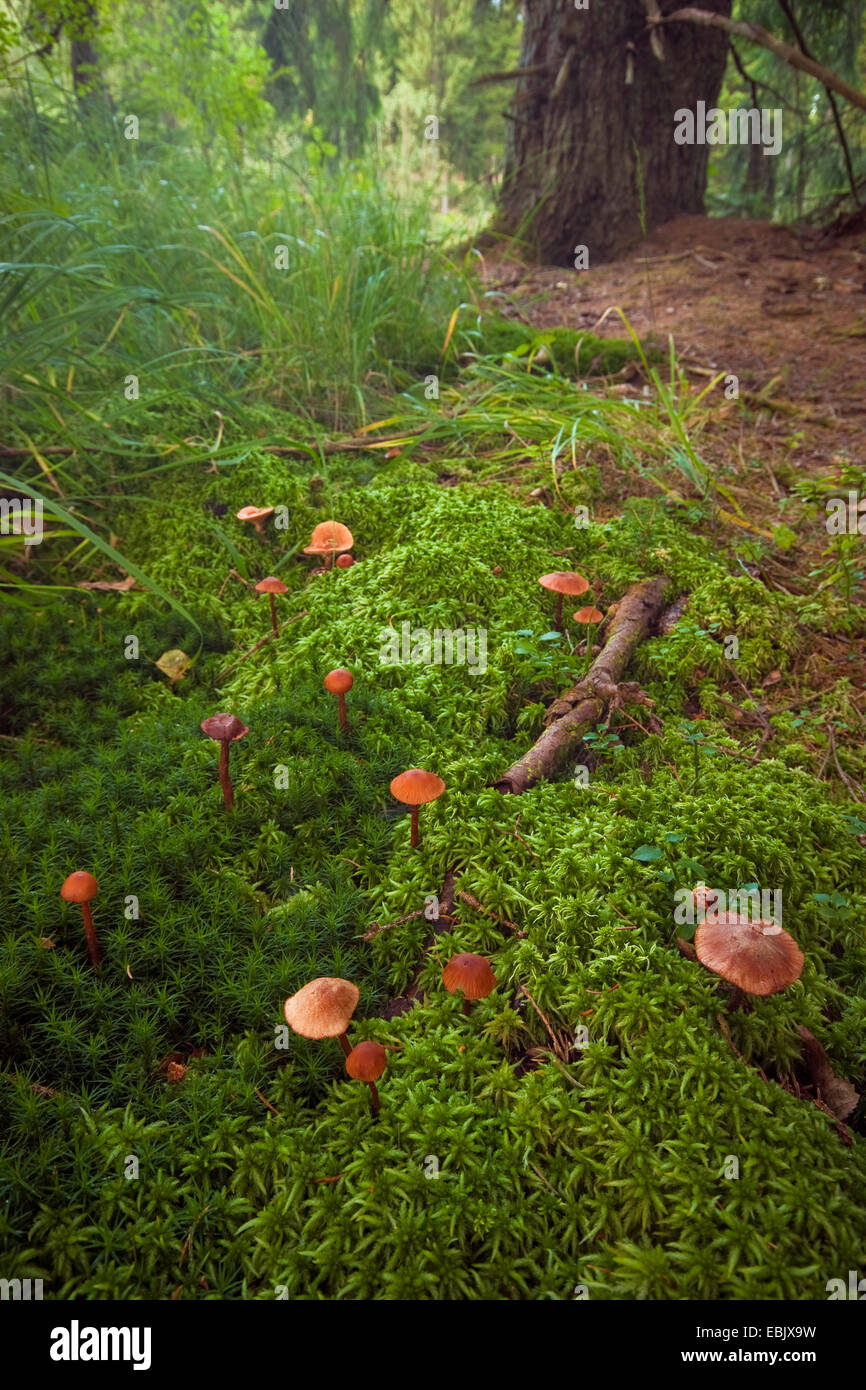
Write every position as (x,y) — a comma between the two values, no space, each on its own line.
(322,1009)
(756,957)
(344,562)
(257,515)
(329,538)
(563,582)
(226,729)
(338,682)
(414,788)
(366,1062)
(705,900)
(81,887)
(472,975)
(271,586)
(589,617)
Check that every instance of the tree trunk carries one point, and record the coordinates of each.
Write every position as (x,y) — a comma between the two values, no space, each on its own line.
(591,135)
(83,58)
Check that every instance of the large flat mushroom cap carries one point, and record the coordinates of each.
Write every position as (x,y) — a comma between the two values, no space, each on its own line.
(323,1008)
(329,536)
(565,582)
(470,973)
(79,887)
(738,949)
(416,787)
(271,585)
(254,513)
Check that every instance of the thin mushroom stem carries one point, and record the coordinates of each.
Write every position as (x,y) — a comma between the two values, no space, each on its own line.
(225,779)
(467,1005)
(737,999)
(557,616)
(374,1097)
(415,838)
(344,1043)
(90,933)
(341,711)
(272,597)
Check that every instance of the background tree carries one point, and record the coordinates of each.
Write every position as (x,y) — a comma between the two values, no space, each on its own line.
(591,157)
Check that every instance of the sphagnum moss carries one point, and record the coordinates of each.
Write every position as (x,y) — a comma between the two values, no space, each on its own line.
(606,1169)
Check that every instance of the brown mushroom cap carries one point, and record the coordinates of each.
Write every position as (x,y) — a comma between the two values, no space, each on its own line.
(416,787)
(704,899)
(225,727)
(271,585)
(79,887)
(367,1061)
(587,615)
(322,1009)
(329,537)
(339,681)
(564,582)
(345,562)
(470,973)
(756,960)
(254,513)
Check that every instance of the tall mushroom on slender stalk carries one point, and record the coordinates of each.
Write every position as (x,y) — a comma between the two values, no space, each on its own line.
(322,1009)
(81,887)
(589,617)
(338,682)
(470,975)
(329,538)
(257,515)
(272,586)
(563,582)
(366,1062)
(226,729)
(756,957)
(414,788)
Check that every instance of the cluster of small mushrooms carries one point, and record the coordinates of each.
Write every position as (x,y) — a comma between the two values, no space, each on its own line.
(324,1008)
(755,957)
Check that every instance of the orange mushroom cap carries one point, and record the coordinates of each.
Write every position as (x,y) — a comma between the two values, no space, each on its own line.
(79,887)
(345,562)
(339,681)
(322,1009)
(328,537)
(224,727)
(743,952)
(271,585)
(416,787)
(254,513)
(564,582)
(367,1061)
(470,973)
(587,615)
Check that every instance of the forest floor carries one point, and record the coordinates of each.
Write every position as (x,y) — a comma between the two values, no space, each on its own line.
(783,310)
(603,1124)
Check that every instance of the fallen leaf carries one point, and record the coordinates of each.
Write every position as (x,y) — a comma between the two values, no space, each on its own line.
(46,943)
(129,972)
(174,663)
(772,678)
(120,586)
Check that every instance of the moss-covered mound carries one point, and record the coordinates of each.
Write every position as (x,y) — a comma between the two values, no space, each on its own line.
(584,1124)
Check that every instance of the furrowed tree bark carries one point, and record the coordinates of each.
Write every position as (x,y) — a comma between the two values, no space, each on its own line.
(590,151)
(579,709)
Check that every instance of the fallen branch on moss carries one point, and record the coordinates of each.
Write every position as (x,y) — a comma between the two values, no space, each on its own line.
(579,709)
